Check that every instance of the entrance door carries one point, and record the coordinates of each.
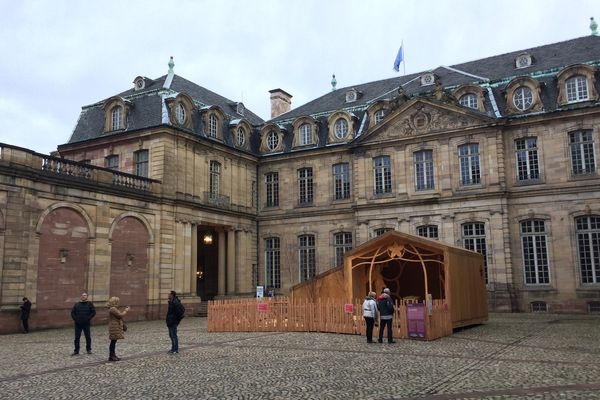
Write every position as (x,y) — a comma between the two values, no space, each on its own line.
(207,275)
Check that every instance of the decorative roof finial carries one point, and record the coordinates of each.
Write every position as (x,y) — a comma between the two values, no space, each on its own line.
(593,27)
(333,82)
(171,65)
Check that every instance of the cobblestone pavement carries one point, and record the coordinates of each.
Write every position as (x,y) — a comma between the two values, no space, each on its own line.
(512,356)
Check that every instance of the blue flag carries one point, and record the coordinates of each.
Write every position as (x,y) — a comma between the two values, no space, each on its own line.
(399,59)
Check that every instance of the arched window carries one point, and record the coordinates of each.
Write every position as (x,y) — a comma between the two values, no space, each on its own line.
(523,98)
(180,114)
(212,125)
(241,137)
(272,140)
(116,116)
(305,134)
(341,128)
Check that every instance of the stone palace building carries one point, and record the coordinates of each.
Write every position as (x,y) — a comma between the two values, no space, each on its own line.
(169,186)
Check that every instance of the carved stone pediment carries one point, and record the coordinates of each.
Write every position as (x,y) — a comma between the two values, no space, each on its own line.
(422,118)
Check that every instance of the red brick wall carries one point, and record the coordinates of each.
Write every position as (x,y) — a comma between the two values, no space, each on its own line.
(130,282)
(59,285)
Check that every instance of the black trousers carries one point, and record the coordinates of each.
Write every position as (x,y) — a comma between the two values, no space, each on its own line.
(370,321)
(390,333)
(88,336)
(25,322)
(112,347)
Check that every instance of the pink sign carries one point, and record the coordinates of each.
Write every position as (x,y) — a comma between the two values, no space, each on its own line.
(348,308)
(263,307)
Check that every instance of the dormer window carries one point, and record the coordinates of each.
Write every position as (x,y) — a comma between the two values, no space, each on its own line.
(427,79)
(212,125)
(379,116)
(272,140)
(351,95)
(341,128)
(116,118)
(305,135)
(577,89)
(180,114)
(139,83)
(468,100)
(522,98)
(523,61)
(240,109)
(116,109)
(241,137)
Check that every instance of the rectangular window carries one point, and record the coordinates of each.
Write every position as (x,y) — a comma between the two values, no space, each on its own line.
(424,170)
(381,231)
(112,162)
(577,89)
(588,245)
(583,160)
(306,248)
(527,159)
(141,163)
(272,183)
(473,238)
(342,243)
(383,175)
(535,252)
(305,186)
(341,181)
(428,231)
(468,157)
(305,134)
(272,262)
(214,179)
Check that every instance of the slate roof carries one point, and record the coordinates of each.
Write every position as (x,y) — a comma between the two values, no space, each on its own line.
(498,71)
(492,74)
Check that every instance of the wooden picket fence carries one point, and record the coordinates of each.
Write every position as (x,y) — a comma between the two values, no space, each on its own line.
(280,314)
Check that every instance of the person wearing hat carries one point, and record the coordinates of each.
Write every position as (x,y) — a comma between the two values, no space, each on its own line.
(386,313)
(370,314)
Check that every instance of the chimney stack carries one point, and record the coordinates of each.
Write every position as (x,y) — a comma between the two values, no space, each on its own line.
(281,102)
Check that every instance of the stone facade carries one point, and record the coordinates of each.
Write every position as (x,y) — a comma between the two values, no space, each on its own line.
(184,190)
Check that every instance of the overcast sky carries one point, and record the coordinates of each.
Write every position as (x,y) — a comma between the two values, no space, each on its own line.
(58,56)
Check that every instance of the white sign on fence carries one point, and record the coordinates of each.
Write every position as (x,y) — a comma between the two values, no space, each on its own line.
(260,291)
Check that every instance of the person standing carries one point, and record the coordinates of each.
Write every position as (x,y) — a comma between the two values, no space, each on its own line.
(174,317)
(369,314)
(82,314)
(386,313)
(116,326)
(25,311)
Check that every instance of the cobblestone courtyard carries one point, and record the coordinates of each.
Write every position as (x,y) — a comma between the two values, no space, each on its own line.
(512,356)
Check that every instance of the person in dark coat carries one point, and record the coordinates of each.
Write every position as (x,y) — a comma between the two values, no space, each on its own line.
(174,317)
(386,313)
(25,311)
(82,314)
(115,326)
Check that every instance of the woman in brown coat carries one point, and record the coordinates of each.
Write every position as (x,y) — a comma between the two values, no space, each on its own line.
(115,326)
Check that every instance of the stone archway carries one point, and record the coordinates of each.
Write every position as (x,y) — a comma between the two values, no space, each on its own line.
(62,264)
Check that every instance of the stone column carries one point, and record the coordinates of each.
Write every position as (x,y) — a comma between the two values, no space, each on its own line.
(241,263)
(194,260)
(221,274)
(231,260)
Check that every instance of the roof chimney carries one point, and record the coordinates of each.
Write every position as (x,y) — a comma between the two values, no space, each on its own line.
(281,102)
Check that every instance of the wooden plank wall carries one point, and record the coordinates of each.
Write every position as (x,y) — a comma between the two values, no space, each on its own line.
(280,314)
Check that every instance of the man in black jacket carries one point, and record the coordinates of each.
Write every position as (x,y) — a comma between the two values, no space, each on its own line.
(82,313)
(25,310)
(174,316)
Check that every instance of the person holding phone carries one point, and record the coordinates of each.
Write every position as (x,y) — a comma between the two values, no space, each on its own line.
(115,326)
